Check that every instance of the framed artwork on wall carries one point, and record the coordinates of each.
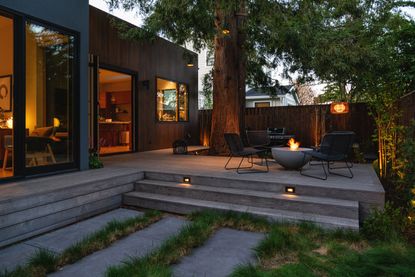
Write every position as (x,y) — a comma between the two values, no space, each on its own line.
(6,92)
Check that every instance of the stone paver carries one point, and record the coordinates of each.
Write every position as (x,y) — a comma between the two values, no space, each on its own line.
(15,255)
(135,245)
(59,240)
(220,255)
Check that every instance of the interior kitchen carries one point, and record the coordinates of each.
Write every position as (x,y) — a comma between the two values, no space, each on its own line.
(115,112)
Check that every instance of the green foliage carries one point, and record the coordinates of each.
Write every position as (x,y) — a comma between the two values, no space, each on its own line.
(94,160)
(385,225)
(44,259)
(404,185)
(207,90)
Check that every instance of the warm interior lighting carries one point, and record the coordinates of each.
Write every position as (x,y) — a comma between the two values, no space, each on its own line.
(339,108)
(186,180)
(294,145)
(56,122)
(290,189)
(9,123)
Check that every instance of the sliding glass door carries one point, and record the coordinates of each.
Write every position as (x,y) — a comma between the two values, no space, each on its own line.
(39,87)
(6,95)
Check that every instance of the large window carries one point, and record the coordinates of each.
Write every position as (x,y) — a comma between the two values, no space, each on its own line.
(172,101)
(49,96)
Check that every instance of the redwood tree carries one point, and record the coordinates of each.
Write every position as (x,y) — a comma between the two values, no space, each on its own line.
(239,31)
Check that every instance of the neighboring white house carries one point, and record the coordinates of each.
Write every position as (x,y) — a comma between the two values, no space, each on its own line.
(285,96)
(258,98)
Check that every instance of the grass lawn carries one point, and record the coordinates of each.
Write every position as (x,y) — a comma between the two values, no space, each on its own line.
(287,250)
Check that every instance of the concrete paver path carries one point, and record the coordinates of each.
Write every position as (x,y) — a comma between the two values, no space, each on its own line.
(57,241)
(220,255)
(135,245)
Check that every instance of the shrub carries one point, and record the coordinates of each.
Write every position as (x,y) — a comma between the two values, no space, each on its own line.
(94,161)
(385,225)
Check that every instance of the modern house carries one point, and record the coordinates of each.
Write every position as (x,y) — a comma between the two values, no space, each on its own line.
(69,83)
(284,96)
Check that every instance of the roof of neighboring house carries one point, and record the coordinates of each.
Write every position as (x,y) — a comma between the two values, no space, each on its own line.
(281,90)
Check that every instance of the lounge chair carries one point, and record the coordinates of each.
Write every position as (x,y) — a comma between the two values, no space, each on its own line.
(259,140)
(237,149)
(335,147)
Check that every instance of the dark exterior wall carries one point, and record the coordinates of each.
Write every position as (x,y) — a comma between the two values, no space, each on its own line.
(71,14)
(149,59)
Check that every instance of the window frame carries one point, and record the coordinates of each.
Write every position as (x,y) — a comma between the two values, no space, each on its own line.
(19,98)
(178,83)
(74,164)
(262,102)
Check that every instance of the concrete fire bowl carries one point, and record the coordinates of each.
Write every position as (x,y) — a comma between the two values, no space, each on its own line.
(290,159)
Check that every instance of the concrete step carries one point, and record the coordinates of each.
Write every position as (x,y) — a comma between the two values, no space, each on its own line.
(303,185)
(261,199)
(184,205)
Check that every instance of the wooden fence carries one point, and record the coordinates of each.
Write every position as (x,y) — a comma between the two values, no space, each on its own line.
(307,123)
(407,108)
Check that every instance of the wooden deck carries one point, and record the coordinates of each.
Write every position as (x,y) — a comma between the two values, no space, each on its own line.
(32,207)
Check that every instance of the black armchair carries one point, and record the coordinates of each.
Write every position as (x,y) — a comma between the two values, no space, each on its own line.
(335,147)
(237,149)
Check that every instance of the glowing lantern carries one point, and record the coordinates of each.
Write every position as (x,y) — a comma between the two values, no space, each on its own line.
(339,108)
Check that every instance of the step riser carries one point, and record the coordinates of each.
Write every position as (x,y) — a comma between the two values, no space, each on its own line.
(317,191)
(257,201)
(182,208)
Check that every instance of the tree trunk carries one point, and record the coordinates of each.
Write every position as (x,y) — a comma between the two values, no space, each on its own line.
(229,73)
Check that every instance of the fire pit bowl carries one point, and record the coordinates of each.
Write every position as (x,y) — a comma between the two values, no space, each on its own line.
(290,159)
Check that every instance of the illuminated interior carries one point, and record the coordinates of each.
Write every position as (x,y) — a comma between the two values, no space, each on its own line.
(115,114)
(6,96)
(172,101)
(49,96)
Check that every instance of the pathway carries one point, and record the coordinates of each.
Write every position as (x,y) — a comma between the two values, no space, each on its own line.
(59,240)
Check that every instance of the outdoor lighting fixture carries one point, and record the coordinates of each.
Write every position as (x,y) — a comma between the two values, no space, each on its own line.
(189,59)
(186,180)
(226,31)
(339,108)
(290,189)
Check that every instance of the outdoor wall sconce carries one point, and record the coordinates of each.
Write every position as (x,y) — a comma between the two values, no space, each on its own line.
(226,32)
(186,180)
(189,59)
(339,108)
(290,190)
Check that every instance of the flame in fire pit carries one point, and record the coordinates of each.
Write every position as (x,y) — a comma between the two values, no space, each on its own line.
(294,145)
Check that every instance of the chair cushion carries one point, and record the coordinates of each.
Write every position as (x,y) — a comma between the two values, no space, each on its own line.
(42,132)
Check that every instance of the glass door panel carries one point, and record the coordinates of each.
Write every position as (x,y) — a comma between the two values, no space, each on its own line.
(6,96)
(49,96)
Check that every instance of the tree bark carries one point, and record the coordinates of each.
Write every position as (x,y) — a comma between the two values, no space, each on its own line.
(229,73)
